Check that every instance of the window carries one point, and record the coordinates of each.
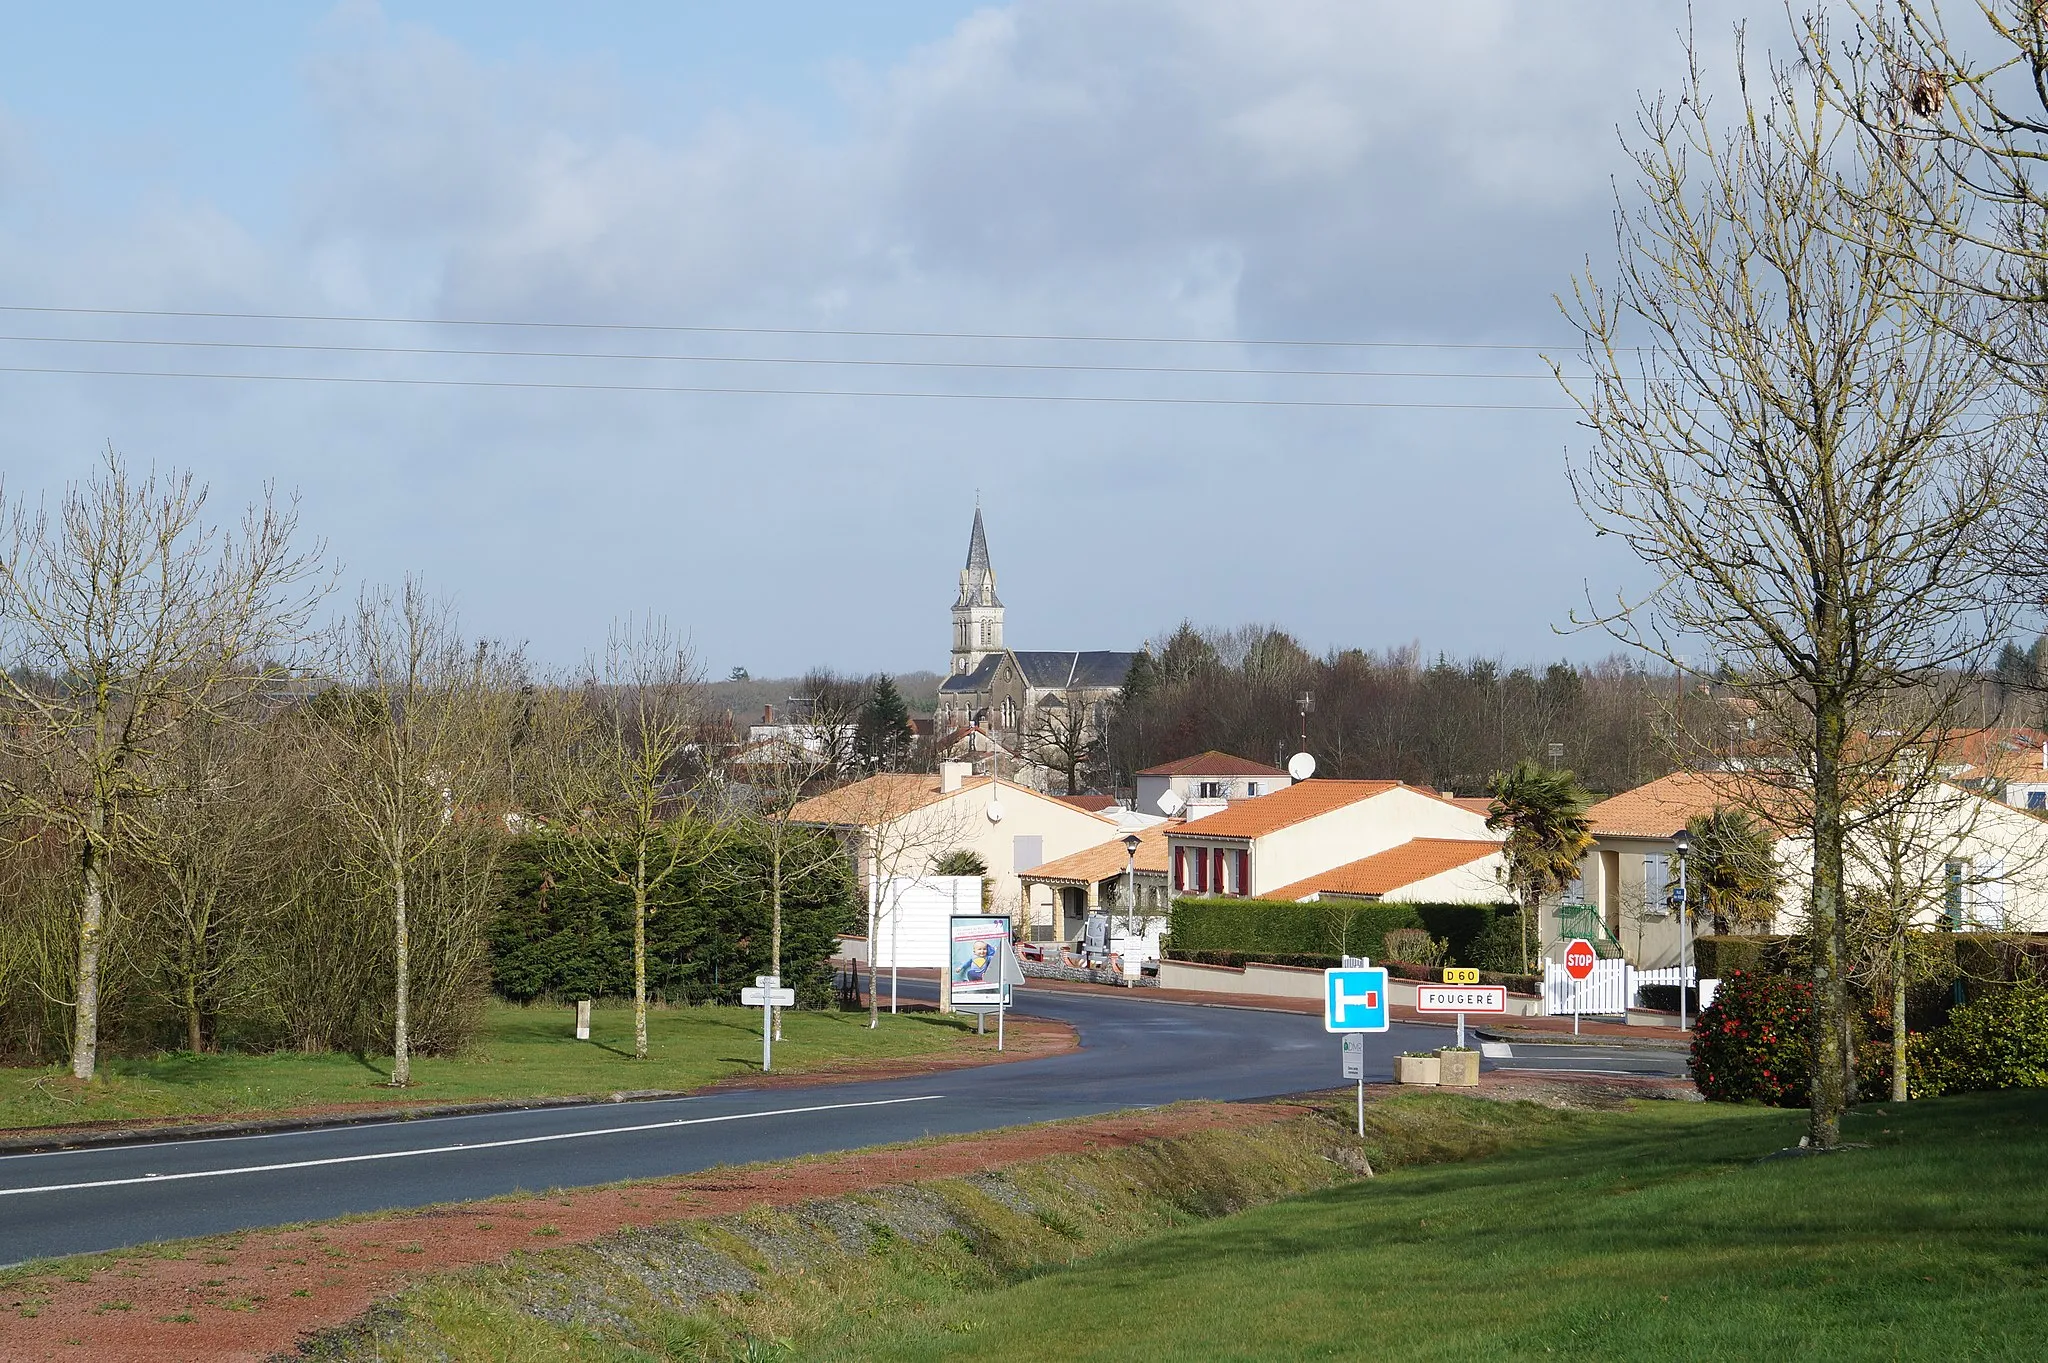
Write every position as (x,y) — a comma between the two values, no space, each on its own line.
(1212,790)
(1180,868)
(1251,790)
(1027,853)
(1244,872)
(1952,893)
(2037,799)
(1009,713)
(1656,880)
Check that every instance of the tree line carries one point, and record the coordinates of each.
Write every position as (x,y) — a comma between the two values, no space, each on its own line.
(229,823)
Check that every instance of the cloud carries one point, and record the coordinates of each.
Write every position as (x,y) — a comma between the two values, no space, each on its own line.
(1297,168)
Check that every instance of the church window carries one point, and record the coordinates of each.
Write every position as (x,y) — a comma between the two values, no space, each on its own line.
(1009,713)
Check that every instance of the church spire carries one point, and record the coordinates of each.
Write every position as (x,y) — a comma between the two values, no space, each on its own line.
(977,545)
(978,612)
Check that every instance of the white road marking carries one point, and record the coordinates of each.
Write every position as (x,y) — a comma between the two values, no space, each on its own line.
(449,1149)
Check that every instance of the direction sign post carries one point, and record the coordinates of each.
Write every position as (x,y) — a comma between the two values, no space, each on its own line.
(1579,958)
(1355,1002)
(1455,974)
(1460,993)
(767,995)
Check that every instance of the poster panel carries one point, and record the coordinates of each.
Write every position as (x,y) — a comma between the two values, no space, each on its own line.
(979,969)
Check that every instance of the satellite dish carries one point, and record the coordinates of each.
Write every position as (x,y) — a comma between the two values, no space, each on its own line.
(1171,804)
(995,811)
(1301,766)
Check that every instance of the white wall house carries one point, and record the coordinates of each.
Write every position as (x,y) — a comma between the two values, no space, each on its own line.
(1974,862)
(901,822)
(1206,783)
(1260,846)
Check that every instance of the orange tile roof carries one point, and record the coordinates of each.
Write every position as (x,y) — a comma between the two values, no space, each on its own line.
(1385,872)
(1664,806)
(1094,804)
(1481,805)
(1297,803)
(1092,865)
(1212,763)
(890,795)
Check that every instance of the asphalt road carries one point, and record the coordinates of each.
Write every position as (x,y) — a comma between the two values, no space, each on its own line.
(1134,1053)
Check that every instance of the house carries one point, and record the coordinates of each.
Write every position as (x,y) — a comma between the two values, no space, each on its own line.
(1419,871)
(1092,880)
(1259,847)
(1978,863)
(1041,715)
(1206,783)
(899,823)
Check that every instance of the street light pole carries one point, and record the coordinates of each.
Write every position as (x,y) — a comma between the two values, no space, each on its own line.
(1131,841)
(1681,843)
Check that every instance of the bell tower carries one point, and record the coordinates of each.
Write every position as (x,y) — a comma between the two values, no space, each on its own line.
(977,614)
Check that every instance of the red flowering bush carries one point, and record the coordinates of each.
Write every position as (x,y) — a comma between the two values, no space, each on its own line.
(1755,1043)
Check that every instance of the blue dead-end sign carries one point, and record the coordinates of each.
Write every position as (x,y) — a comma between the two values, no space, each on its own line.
(1355,1000)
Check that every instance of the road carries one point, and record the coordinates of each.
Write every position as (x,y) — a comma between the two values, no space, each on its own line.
(1134,1053)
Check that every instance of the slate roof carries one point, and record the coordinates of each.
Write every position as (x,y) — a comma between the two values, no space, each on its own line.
(1102,669)
(977,680)
(1385,872)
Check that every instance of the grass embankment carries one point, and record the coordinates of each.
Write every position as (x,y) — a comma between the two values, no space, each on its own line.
(1649,1233)
(523,1053)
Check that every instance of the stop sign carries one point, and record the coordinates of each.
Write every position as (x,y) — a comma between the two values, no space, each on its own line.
(1579,958)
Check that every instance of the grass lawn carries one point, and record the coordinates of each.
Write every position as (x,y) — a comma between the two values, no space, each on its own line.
(1649,1234)
(524,1053)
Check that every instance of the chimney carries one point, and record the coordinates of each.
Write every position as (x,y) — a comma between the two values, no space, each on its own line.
(951,774)
(767,714)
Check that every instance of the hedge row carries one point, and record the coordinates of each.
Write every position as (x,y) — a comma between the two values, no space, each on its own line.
(1403,970)
(1270,928)
(1976,958)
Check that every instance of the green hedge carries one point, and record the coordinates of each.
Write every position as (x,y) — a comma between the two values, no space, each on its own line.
(1344,927)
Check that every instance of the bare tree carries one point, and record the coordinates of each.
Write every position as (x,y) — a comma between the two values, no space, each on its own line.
(1064,739)
(1787,432)
(136,611)
(631,813)
(410,738)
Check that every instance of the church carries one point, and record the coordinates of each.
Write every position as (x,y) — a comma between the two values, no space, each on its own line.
(1033,717)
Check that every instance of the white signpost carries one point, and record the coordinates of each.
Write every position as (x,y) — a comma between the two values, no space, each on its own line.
(767,995)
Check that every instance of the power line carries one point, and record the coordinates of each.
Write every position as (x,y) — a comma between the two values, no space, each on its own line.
(766,331)
(791,392)
(1020,366)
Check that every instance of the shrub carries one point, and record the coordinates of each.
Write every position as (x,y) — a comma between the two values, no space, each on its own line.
(1999,1041)
(961,861)
(1499,947)
(1412,945)
(1754,1044)
(1334,927)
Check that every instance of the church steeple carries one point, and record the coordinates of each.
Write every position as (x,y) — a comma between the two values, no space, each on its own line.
(977,612)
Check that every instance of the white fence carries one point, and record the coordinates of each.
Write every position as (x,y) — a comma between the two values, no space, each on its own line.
(1614,987)
(1606,990)
(912,913)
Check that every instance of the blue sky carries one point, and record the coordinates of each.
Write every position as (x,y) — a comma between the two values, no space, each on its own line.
(1305,169)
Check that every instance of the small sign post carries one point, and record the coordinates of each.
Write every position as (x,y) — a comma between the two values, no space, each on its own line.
(1579,958)
(1460,974)
(1354,1068)
(767,995)
(1460,998)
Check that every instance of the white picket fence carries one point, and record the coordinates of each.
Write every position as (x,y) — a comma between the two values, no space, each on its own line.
(1613,988)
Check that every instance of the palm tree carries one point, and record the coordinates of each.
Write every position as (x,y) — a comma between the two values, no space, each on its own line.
(1543,813)
(1731,873)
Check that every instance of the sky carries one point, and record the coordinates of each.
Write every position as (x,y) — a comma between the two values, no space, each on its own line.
(646,198)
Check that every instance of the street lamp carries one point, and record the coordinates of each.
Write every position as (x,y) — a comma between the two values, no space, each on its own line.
(1681,843)
(1131,841)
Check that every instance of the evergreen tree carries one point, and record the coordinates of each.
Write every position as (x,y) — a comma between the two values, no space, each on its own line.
(885,732)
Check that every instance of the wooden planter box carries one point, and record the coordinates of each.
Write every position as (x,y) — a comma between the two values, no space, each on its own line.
(1417,1069)
(1458,1068)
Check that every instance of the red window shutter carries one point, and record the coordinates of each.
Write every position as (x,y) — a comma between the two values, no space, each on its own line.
(1216,855)
(1180,868)
(1201,870)
(1244,872)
